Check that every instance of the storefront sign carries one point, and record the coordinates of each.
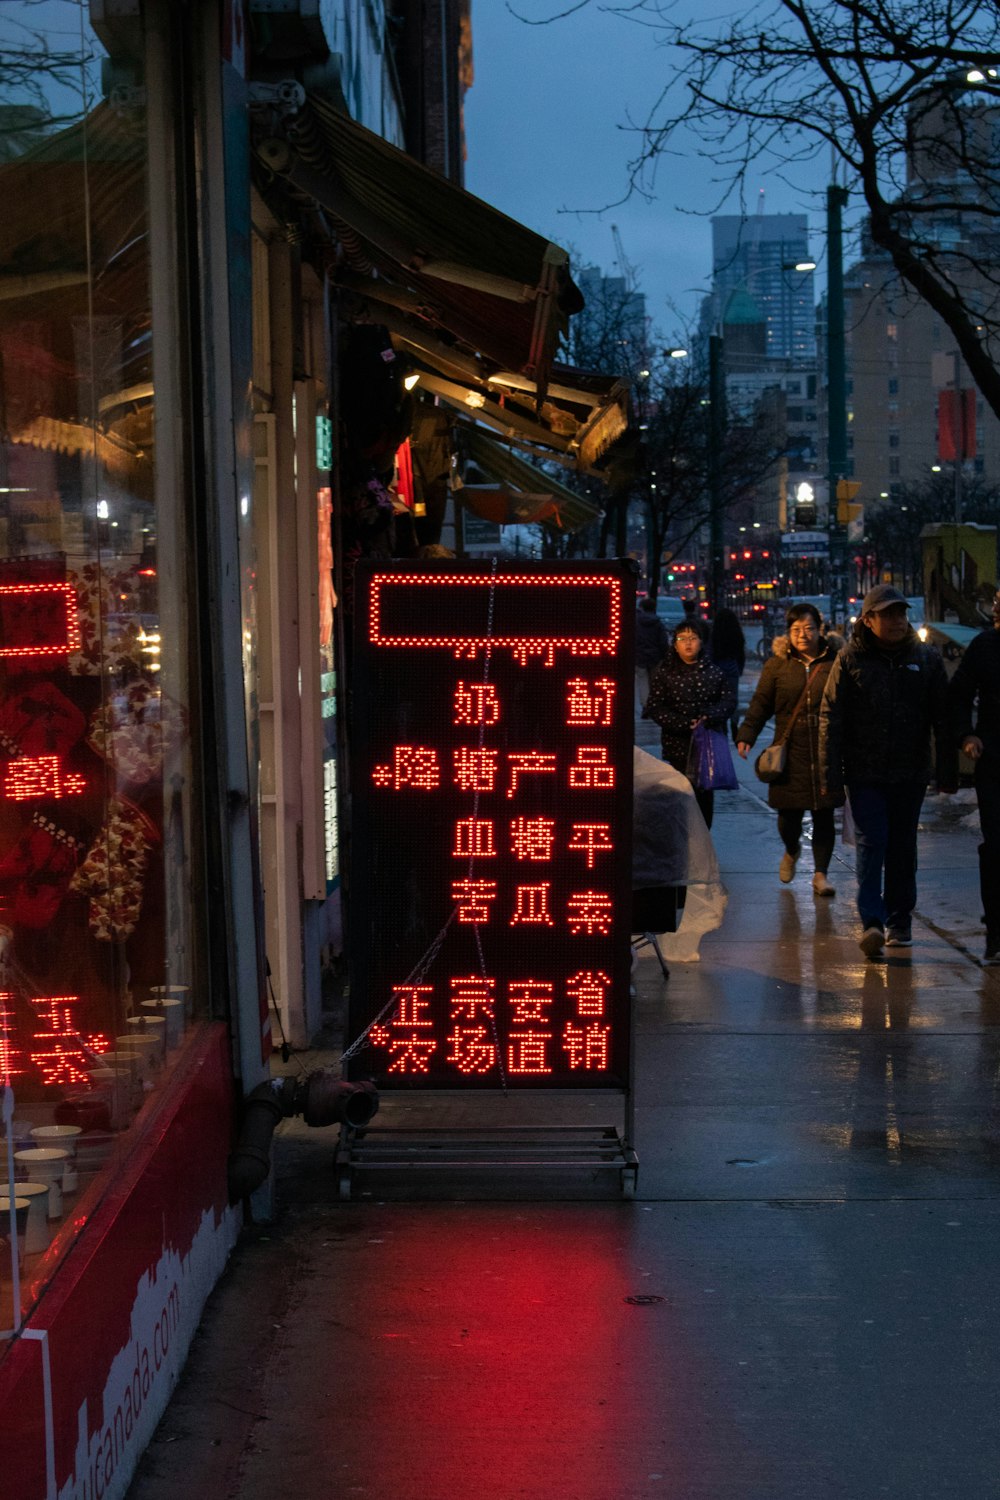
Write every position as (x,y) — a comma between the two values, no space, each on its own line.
(492,795)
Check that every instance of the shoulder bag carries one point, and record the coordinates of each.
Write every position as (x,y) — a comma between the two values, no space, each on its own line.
(771,764)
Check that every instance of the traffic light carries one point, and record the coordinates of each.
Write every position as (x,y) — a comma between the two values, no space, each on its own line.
(846,491)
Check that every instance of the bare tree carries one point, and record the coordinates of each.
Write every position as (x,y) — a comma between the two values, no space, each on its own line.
(666,467)
(905,97)
(892,532)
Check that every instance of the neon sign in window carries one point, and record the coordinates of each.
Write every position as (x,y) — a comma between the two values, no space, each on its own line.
(493,741)
(32,778)
(38,620)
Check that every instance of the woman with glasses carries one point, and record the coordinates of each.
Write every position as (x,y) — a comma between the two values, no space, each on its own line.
(687,689)
(794,678)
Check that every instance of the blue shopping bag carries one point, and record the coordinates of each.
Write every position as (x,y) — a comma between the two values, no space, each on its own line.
(710,765)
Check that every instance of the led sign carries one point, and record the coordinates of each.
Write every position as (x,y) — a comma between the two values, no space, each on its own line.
(38,620)
(492,796)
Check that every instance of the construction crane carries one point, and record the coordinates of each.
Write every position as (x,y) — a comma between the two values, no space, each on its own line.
(624,265)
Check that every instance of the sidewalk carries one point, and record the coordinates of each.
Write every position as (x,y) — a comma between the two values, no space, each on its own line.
(802,1301)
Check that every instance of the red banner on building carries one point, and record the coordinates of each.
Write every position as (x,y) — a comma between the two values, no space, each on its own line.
(956,438)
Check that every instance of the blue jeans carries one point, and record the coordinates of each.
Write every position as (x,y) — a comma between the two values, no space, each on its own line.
(885,822)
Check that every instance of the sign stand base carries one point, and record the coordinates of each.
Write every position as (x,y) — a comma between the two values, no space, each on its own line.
(517,1149)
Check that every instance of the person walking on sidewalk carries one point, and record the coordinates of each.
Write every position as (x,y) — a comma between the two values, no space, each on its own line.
(791,689)
(652,642)
(976,685)
(887,693)
(684,690)
(728,649)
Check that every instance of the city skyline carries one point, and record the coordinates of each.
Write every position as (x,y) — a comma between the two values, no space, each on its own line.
(558,159)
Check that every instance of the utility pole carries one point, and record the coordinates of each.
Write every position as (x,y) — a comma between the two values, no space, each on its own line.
(836,395)
(959,437)
(716,449)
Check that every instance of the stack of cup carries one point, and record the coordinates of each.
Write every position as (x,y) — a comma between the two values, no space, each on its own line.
(45,1164)
(115,1084)
(66,1137)
(152,1029)
(146,1051)
(21,1206)
(127,1067)
(169,1003)
(36,1236)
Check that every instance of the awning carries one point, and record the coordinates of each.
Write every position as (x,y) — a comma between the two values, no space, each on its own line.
(533,494)
(504,292)
(579,420)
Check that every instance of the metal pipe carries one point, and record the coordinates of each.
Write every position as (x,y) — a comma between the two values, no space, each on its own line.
(321,1098)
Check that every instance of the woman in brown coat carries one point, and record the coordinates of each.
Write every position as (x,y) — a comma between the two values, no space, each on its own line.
(804,656)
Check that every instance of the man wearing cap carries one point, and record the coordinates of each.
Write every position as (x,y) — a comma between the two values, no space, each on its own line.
(886,694)
(976,683)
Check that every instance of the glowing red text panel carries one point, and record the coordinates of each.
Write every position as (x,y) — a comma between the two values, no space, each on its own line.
(38,619)
(526,614)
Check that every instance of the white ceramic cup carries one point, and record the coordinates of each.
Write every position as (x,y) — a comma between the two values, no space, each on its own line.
(169,1007)
(21,1207)
(64,1136)
(146,1050)
(36,1236)
(152,1029)
(45,1164)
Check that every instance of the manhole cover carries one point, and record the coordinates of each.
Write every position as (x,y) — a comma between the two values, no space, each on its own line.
(644,1299)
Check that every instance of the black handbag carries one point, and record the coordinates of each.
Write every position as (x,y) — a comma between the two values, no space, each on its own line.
(771,764)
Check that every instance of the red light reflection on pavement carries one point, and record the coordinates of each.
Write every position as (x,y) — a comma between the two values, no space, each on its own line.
(500,1359)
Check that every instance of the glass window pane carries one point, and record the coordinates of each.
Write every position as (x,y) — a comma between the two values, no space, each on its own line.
(98,968)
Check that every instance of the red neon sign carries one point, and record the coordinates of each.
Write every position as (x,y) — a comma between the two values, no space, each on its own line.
(31,778)
(38,619)
(494,830)
(466,612)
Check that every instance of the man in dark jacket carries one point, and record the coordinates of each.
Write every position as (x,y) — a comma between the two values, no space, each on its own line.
(652,642)
(886,693)
(976,684)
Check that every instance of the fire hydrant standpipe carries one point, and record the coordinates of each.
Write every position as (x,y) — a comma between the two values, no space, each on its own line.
(322,1098)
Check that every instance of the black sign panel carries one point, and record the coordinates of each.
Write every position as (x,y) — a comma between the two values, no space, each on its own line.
(492,797)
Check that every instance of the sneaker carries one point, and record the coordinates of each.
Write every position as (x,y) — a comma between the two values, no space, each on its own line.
(786,870)
(821,886)
(899,937)
(872,942)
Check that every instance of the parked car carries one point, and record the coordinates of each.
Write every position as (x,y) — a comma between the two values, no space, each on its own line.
(671,611)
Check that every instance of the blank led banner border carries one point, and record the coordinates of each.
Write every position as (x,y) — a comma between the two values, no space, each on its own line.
(492,820)
(38,619)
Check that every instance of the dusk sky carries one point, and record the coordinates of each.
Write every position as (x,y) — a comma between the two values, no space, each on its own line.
(548,143)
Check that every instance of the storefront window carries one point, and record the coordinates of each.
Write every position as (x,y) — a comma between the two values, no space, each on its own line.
(98,834)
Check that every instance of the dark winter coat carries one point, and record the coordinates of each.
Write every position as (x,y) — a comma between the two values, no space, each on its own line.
(731,671)
(678,694)
(879,711)
(977,682)
(778,691)
(652,639)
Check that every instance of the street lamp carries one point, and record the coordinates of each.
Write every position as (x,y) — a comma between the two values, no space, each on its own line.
(716,445)
(836,396)
(675,353)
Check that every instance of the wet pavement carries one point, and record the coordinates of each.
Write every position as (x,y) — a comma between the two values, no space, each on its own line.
(801,1300)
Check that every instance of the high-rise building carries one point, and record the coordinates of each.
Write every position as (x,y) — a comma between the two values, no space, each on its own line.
(612,331)
(756,256)
(902,364)
(764,311)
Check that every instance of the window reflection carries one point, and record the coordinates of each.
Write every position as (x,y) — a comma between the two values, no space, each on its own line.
(95,825)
